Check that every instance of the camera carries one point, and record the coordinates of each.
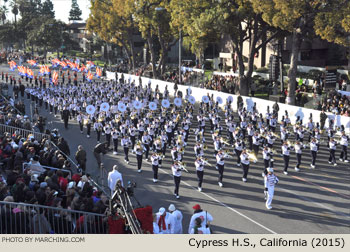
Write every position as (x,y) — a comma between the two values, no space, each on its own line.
(130,188)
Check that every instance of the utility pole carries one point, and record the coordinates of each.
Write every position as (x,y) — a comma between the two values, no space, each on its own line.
(180,42)
(280,47)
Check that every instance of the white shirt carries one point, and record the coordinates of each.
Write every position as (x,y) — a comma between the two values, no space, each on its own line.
(177,217)
(332,145)
(298,148)
(201,230)
(220,159)
(125,142)
(176,170)
(205,217)
(270,180)
(155,160)
(285,150)
(113,176)
(169,224)
(199,165)
(344,140)
(313,146)
(245,158)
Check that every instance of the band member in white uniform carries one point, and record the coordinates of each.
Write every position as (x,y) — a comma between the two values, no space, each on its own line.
(344,141)
(332,148)
(200,172)
(155,164)
(314,150)
(245,164)
(270,180)
(176,169)
(220,163)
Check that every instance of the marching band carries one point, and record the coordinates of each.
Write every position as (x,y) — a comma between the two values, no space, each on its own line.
(147,129)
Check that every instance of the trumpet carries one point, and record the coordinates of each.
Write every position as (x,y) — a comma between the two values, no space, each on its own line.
(205,147)
(182,150)
(86,121)
(159,155)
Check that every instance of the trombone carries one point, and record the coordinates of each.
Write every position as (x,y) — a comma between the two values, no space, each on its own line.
(252,156)
(205,161)
(224,141)
(227,154)
(183,166)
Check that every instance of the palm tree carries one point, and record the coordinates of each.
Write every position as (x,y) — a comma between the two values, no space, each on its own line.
(3,12)
(14,10)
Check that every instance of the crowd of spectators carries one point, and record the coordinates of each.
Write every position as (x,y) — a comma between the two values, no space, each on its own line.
(35,184)
(336,103)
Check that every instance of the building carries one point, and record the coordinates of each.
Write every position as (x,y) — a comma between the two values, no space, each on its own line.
(80,34)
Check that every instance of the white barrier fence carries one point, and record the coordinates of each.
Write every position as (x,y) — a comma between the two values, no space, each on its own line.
(261,104)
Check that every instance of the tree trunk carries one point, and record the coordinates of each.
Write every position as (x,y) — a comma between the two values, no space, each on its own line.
(153,55)
(292,72)
(132,50)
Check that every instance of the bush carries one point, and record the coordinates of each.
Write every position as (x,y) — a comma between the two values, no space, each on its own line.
(262,70)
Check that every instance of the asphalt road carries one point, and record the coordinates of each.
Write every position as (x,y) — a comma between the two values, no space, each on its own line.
(309,201)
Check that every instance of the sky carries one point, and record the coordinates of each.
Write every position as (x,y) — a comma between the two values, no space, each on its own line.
(62,8)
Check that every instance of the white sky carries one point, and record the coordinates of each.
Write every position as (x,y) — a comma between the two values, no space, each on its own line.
(62,8)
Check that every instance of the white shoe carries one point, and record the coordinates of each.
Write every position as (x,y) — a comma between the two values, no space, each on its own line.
(346,161)
(127,162)
(88,136)
(159,165)
(262,174)
(238,165)
(244,179)
(139,171)
(199,189)
(269,207)
(155,180)
(177,196)
(329,162)
(115,153)
(81,132)
(98,142)
(220,184)
(285,173)
(216,168)
(297,169)
(341,160)
(335,164)
(312,166)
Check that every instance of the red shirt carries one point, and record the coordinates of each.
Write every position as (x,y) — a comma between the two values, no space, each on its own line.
(63,182)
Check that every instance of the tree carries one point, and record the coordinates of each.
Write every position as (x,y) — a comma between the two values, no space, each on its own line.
(296,17)
(153,20)
(333,24)
(3,13)
(75,12)
(113,22)
(207,20)
(47,9)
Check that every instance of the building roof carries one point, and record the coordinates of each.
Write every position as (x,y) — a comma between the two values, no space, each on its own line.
(76,26)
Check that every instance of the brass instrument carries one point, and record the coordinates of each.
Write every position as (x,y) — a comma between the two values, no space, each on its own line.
(183,166)
(252,156)
(205,147)
(224,141)
(205,161)
(227,154)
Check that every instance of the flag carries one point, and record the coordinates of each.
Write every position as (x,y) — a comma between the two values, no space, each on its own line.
(47,70)
(32,63)
(98,72)
(89,76)
(63,64)
(22,71)
(13,65)
(30,73)
(54,78)
(82,68)
(41,70)
(90,64)
(55,62)
(70,64)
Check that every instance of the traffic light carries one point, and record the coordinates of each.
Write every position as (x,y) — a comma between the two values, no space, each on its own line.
(274,69)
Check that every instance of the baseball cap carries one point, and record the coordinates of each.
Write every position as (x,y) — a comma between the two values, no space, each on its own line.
(171,207)
(196,207)
(162,210)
